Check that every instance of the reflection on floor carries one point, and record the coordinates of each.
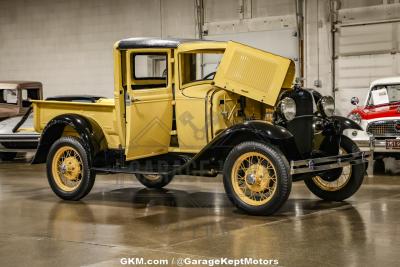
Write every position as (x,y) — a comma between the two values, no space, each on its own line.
(190,218)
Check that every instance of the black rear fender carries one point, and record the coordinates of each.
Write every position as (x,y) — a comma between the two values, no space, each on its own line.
(55,128)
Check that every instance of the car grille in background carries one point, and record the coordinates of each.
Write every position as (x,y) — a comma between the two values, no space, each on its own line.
(383,128)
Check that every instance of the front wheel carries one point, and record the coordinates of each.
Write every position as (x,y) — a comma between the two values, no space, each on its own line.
(154,181)
(256,178)
(338,184)
(68,170)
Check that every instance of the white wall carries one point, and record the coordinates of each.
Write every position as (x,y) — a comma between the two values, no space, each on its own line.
(67,44)
(318,48)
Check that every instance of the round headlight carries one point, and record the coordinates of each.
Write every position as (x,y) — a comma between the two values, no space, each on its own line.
(355,117)
(326,106)
(287,108)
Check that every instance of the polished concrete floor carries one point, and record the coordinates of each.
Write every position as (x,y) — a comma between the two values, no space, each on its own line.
(191,218)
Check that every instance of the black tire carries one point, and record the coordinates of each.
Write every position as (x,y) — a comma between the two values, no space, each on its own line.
(87,176)
(379,166)
(158,181)
(7,156)
(350,187)
(282,172)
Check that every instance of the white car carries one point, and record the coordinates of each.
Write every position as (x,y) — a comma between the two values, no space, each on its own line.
(17,135)
(379,116)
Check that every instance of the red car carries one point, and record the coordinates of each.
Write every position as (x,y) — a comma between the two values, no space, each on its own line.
(379,116)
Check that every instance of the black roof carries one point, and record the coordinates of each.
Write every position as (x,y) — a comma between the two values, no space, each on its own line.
(143,42)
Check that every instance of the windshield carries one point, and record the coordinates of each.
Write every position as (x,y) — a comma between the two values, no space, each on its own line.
(8,96)
(384,94)
(200,65)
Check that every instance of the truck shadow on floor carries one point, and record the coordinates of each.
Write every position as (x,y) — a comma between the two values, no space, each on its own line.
(147,198)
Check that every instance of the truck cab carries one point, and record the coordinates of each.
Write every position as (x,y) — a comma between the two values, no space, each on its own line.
(198,107)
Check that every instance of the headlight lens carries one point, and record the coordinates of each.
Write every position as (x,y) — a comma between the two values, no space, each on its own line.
(287,108)
(355,117)
(326,106)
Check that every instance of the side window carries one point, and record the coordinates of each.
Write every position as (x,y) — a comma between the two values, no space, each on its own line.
(149,70)
(27,95)
(8,96)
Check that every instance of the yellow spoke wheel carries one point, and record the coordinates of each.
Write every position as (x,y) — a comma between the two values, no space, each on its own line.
(254,178)
(154,180)
(257,178)
(67,168)
(338,183)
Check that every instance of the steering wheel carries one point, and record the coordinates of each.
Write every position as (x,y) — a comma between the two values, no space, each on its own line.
(211,74)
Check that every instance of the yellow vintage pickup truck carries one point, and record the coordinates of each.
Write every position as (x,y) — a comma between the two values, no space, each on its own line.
(203,108)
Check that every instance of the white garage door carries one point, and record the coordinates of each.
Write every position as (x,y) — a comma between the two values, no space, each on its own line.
(364,53)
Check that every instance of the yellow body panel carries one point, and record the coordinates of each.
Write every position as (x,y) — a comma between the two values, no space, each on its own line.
(148,112)
(102,112)
(119,96)
(191,125)
(254,73)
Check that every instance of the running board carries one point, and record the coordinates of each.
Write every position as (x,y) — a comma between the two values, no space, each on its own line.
(128,171)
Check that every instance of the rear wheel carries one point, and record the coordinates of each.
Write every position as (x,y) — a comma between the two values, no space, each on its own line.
(257,178)
(8,156)
(154,181)
(341,183)
(68,170)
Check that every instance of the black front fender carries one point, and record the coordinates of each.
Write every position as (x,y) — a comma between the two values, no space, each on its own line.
(217,150)
(54,130)
(345,123)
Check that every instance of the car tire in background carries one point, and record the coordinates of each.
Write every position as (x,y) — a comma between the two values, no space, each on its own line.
(8,156)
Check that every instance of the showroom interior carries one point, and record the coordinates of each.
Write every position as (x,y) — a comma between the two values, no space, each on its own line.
(348,50)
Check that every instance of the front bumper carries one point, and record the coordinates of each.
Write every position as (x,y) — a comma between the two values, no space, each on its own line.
(368,143)
(328,163)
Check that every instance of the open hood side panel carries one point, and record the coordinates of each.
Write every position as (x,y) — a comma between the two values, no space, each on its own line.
(254,73)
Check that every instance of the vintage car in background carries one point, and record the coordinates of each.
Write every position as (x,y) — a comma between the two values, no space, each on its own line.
(16,121)
(203,108)
(379,116)
(15,97)
(17,136)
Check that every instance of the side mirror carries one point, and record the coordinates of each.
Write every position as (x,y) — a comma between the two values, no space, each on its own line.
(354,100)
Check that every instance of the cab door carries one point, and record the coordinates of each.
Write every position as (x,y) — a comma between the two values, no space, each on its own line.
(148,102)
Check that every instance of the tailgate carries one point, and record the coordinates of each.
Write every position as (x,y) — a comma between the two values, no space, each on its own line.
(254,73)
